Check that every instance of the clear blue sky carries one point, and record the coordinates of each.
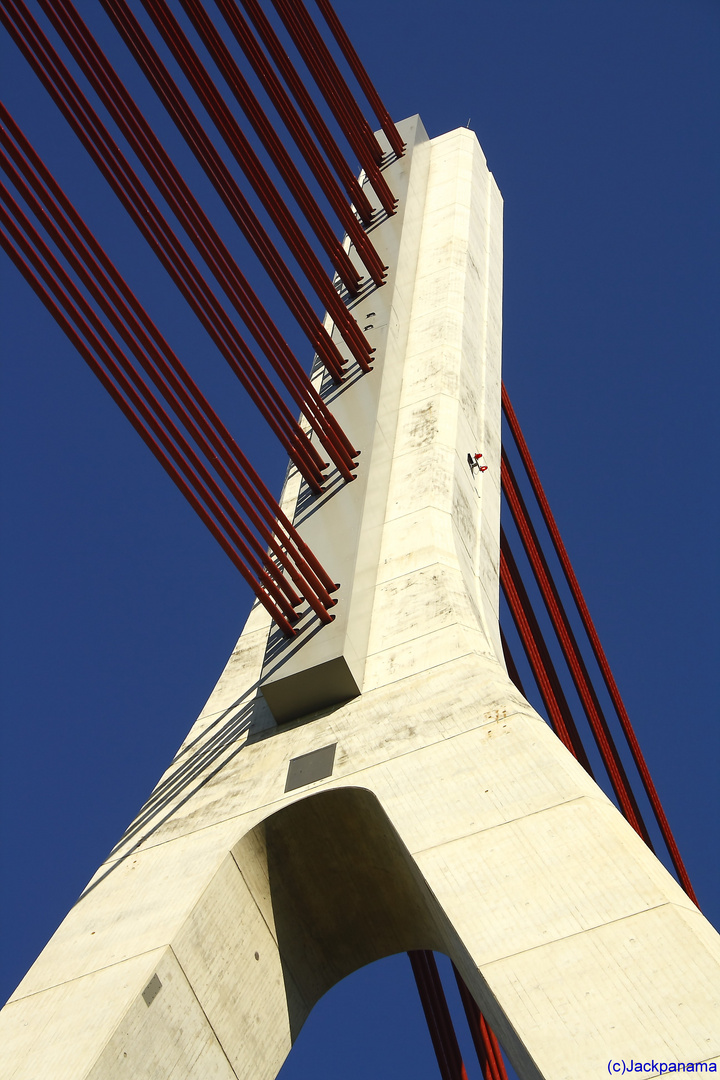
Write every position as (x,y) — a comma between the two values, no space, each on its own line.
(599,120)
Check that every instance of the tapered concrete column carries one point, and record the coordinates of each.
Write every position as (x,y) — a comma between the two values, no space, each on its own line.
(429,808)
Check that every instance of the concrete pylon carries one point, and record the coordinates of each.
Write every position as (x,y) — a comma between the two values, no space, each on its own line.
(380,785)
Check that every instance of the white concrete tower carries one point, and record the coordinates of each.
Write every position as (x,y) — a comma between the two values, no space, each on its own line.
(380,785)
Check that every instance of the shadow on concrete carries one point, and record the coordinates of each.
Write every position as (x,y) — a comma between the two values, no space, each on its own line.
(194,766)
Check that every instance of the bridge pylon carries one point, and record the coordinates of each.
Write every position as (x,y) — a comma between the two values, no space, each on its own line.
(379,784)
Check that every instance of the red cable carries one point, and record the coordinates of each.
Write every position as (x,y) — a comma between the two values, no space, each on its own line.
(254,485)
(308,108)
(246,156)
(511,665)
(201,412)
(236,557)
(571,652)
(328,79)
(227,189)
(272,512)
(495,1061)
(143,211)
(179,197)
(219,175)
(299,440)
(508,581)
(223,442)
(437,1015)
(336,93)
(281,100)
(484,1041)
(597,648)
(254,170)
(272,143)
(186,458)
(559,711)
(393,135)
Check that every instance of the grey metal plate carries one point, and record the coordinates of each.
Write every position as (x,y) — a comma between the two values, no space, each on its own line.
(308,768)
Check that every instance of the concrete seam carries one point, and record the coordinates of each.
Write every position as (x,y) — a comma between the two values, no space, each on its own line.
(504,824)
(518,712)
(270,931)
(339,781)
(336,780)
(202,1010)
(602,798)
(252,894)
(85,975)
(579,933)
(429,667)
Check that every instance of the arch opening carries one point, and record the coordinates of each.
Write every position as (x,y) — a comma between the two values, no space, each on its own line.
(339,890)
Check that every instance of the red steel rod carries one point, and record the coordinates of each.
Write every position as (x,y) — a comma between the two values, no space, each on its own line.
(337,94)
(251,165)
(303,140)
(187,402)
(273,513)
(125,375)
(495,1061)
(143,211)
(560,713)
(329,80)
(217,172)
(240,209)
(484,1041)
(271,141)
(233,199)
(242,149)
(437,1015)
(254,485)
(143,328)
(180,198)
(288,554)
(568,644)
(358,70)
(509,582)
(307,106)
(511,665)
(14,244)
(597,648)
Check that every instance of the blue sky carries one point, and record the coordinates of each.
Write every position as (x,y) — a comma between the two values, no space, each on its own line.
(599,120)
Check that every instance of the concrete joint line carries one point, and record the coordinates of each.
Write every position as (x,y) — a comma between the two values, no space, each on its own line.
(580,933)
(270,930)
(85,975)
(200,1007)
(419,637)
(504,824)
(409,513)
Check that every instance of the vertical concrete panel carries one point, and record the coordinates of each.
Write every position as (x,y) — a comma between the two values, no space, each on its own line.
(344,526)
(230,957)
(439,558)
